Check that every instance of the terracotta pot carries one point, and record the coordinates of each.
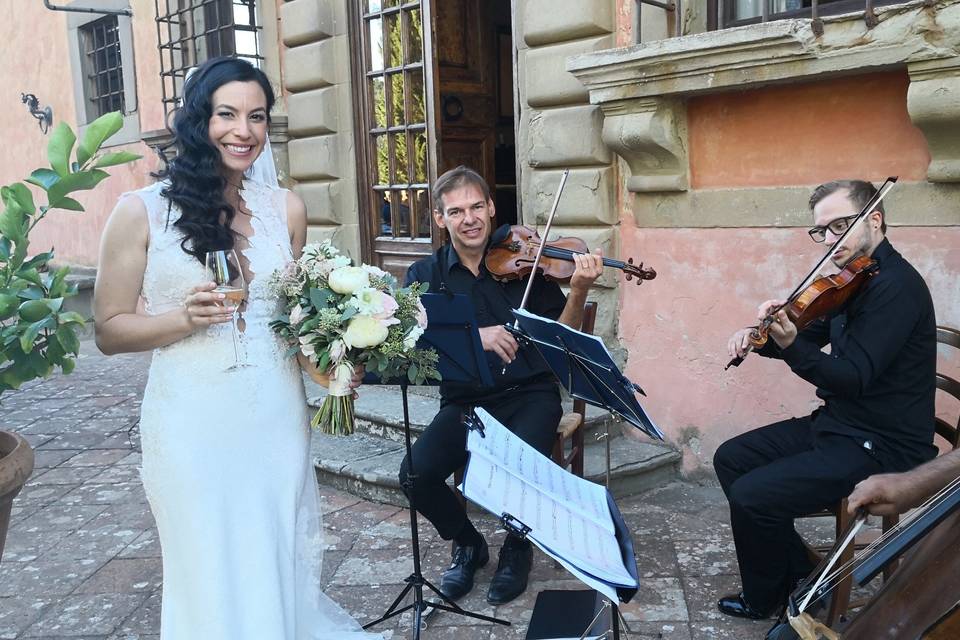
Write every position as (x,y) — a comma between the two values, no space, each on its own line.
(16,465)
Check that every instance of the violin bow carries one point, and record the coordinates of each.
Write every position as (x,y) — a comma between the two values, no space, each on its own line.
(546,233)
(810,277)
(536,260)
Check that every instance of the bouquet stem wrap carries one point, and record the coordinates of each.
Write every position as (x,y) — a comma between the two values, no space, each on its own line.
(335,416)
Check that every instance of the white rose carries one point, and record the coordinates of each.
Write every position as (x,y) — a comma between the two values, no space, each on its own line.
(363,332)
(348,279)
(410,340)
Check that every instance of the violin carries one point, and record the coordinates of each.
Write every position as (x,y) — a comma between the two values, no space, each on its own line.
(822,297)
(513,258)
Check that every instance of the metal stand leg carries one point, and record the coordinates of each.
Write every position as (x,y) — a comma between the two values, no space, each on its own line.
(415,580)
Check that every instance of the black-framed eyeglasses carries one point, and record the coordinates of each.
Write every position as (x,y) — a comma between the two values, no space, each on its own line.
(837,227)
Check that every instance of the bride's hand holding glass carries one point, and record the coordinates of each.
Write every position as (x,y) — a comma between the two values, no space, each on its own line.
(204,307)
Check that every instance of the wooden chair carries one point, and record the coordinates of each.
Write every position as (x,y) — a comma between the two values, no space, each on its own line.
(840,601)
(569,427)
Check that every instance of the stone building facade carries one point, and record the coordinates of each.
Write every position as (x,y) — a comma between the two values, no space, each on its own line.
(691,147)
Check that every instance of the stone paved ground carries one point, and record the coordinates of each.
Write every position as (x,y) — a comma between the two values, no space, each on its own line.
(82,558)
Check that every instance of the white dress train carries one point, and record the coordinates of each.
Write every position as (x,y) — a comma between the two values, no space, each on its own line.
(226,463)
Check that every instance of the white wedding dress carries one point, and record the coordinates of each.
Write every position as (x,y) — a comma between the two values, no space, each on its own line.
(226,463)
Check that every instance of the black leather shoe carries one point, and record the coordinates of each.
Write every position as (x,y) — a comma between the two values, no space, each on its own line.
(513,569)
(738,607)
(457,581)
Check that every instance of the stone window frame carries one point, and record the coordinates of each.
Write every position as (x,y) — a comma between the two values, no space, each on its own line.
(76,22)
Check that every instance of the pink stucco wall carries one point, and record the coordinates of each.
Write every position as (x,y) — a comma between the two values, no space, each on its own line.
(36,60)
(709,284)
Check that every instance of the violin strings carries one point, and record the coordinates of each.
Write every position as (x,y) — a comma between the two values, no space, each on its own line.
(561,252)
(847,569)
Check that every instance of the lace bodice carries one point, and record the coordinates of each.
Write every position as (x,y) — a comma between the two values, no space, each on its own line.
(171,273)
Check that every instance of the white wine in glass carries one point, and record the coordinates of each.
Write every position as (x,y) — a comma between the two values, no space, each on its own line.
(224,268)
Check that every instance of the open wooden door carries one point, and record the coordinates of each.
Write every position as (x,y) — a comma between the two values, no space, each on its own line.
(433,89)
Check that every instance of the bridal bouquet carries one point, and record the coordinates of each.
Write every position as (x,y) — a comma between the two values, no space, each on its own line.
(342,317)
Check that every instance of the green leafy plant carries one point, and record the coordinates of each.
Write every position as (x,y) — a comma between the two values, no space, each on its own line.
(36,333)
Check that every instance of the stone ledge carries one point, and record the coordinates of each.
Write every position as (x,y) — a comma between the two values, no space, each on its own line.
(770,52)
(642,89)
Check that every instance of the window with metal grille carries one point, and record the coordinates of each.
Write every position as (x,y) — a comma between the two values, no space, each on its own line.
(192,31)
(733,13)
(103,68)
(394,117)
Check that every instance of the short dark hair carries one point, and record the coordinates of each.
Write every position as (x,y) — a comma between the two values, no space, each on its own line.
(859,193)
(454,179)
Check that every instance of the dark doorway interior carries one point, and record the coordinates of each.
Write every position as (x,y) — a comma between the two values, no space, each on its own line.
(476,95)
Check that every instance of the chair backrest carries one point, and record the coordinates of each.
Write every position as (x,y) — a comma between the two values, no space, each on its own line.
(589,317)
(949,432)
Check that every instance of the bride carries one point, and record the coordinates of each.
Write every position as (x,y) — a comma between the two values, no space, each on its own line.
(226,460)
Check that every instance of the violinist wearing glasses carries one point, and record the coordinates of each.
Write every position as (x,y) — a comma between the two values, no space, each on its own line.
(525,396)
(877,384)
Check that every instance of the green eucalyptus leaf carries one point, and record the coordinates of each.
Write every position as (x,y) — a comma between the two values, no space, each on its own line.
(5,248)
(318,299)
(44,178)
(59,148)
(96,133)
(113,159)
(79,181)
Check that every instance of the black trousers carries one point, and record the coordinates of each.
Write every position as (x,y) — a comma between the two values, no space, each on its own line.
(440,450)
(772,475)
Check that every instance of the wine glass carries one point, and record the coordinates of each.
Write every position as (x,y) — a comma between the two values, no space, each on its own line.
(224,268)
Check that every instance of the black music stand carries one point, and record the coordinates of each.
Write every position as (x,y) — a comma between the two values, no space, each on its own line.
(584,367)
(453,332)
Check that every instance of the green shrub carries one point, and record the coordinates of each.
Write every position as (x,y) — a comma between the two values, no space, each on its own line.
(36,334)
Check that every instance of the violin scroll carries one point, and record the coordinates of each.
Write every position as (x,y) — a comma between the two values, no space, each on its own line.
(631,271)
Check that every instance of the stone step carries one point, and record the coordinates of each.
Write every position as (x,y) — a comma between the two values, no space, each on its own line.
(379,411)
(367,466)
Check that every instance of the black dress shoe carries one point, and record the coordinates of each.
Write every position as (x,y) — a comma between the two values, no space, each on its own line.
(457,581)
(513,569)
(738,607)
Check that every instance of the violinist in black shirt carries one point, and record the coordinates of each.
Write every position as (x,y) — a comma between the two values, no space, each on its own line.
(525,397)
(877,384)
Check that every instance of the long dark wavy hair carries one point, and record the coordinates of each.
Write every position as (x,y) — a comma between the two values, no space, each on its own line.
(196,184)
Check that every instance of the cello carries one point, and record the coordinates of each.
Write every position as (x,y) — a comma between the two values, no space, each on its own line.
(922,598)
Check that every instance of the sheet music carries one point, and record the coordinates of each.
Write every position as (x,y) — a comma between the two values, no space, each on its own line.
(505,449)
(558,528)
